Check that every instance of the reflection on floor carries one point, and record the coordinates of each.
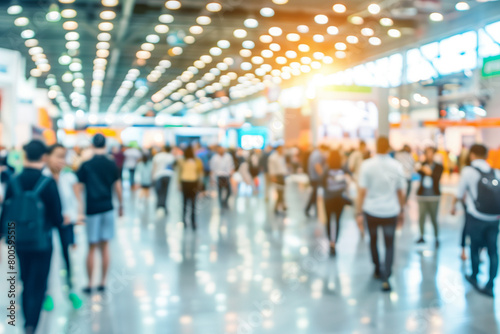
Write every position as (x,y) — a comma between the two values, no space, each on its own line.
(247,271)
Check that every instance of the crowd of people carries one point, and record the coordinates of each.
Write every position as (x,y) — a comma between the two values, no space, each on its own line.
(69,187)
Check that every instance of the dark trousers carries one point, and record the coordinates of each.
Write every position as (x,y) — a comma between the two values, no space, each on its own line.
(408,189)
(132,176)
(161,187)
(223,184)
(333,206)
(280,190)
(67,236)
(314,195)
(429,208)
(388,226)
(35,266)
(483,234)
(465,230)
(189,192)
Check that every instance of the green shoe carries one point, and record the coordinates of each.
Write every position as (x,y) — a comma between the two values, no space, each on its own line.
(48,303)
(75,300)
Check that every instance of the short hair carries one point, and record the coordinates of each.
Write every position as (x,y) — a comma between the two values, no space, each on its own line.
(54,147)
(35,150)
(99,141)
(383,145)
(167,148)
(479,150)
(188,153)
(335,159)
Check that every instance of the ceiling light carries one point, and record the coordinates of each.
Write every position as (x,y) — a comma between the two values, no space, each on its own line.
(189,39)
(102,46)
(104,37)
(203,20)
(109,3)
(105,26)
(318,55)
(222,66)
(291,54)
(70,25)
(44,67)
(319,38)
(248,44)
(281,60)
(266,39)
(147,46)
(53,14)
(107,15)
(52,94)
(75,67)
(251,23)
(340,54)
(161,28)
(352,39)
(240,33)
(143,54)
(223,44)
(386,22)
(328,60)
(321,19)
(267,53)
(246,66)
(173,4)
(14,9)
(339,8)
(375,41)
(215,51)
(395,33)
(66,1)
(68,13)
(229,61)
(28,33)
(462,6)
(152,38)
(357,20)
(332,30)
(275,47)
(177,51)
(305,60)
(196,30)
(293,37)
(206,59)
(64,59)
(304,48)
(35,72)
(280,2)
(21,21)
(367,32)
(35,50)
(214,7)
(245,53)
(436,17)
(340,46)
(374,8)
(303,29)
(78,83)
(166,18)
(72,36)
(72,45)
(275,31)
(31,43)
(267,12)
(257,60)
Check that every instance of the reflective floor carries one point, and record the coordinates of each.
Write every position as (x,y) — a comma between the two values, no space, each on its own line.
(246,270)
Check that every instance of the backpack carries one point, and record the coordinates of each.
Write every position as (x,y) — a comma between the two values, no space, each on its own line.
(488,193)
(27,210)
(335,183)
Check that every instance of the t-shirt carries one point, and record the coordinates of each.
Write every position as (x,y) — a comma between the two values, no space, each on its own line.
(163,165)
(335,183)
(315,158)
(190,170)
(67,179)
(132,156)
(98,175)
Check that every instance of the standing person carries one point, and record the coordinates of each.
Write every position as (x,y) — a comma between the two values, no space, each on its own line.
(222,167)
(119,158)
(163,170)
(381,201)
(99,176)
(255,168)
(315,168)
(428,194)
(406,159)
(33,228)
(277,171)
(66,181)
(265,168)
(335,183)
(144,175)
(357,157)
(132,157)
(190,177)
(480,184)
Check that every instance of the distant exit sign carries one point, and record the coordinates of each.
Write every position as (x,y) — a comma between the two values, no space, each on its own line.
(491,67)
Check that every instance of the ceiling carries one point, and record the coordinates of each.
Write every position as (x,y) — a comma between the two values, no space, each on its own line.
(112,88)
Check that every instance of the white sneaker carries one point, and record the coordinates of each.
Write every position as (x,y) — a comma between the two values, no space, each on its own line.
(160,212)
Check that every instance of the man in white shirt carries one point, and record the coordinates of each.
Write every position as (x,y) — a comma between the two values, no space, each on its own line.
(405,157)
(482,212)
(132,156)
(163,169)
(277,171)
(381,201)
(222,167)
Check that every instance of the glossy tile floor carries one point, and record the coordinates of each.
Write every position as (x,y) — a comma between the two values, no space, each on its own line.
(248,271)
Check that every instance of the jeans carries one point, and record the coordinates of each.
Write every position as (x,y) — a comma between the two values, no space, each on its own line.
(431,208)
(189,192)
(35,268)
(132,177)
(408,189)
(67,236)
(388,226)
(483,234)
(334,206)
(314,195)
(161,187)
(223,183)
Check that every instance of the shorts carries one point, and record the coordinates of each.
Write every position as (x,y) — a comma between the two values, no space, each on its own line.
(100,227)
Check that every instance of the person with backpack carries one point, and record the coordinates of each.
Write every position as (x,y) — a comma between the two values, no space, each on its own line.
(190,178)
(381,200)
(163,170)
(480,184)
(335,183)
(99,176)
(32,207)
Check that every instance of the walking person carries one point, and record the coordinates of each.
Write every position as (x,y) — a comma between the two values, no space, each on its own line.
(277,172)
(190,177)
(316,166)
(33,228)
(99,177)
(480,184)
(264,162)
(144,175)
(335,184)
(429,194)
(66,181)
(222,167)
(119,158)
(163,170)
(381,201)
(406,159)
(132,157)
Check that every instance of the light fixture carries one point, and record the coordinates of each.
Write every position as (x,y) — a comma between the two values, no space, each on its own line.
(35,72)
(251,23)
(386,22)
(214,7)
(281,60)
(305,60)
(72,45)
(318,38)
(109,3)
(245,53)
(161,28)
(266,39)
(280,2)
(395,33)
(177,50)
(257,60)
(332,30)
(267,53)
(267,12)
(304,48)
(293,37)
(436,17)
(340,54)
(206,59)
(70,25)
(275,31)
(64,59)
(462,6)
(76,65)
(246,66)
(104,37)
(303,29)
(240,33)
(68,13)
(374,9)
(72,36)
(248,44)
(105,26)
(215,51)
(147,46)
(203,20)
(14,8)
(291,54)
(173,4)
(66,1)
(352,39)
(196,30)
(143,54)
(367,32)
(328,60)
(166,18)
(340,46)
(321,19)
(53,14)
(189,39)
(153,38)
(375,41)
(107,15)
(275,47)
(339,8)
(357,20)
(318,55)
(223,44)
(21,21)
(31,43)
(27,34)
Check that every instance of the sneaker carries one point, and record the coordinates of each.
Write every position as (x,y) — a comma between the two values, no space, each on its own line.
(48,303)
(101,288)
(333,252)
(487,290)
(160,213)
(376,274)
(420,241)
(473,281)
(386,287)
(75,300)
(87,290)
